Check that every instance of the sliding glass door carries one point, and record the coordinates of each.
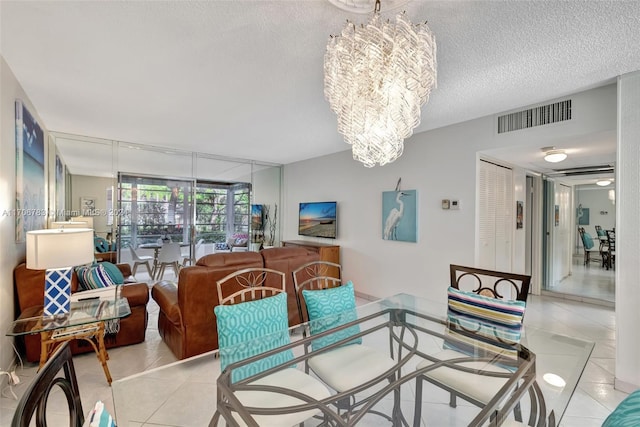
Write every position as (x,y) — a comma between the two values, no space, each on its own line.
(153,209)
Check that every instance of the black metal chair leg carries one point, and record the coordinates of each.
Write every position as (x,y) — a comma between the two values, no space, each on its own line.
(417,412)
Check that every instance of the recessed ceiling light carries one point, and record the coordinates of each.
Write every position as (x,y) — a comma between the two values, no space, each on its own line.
(603,182)
(555,156)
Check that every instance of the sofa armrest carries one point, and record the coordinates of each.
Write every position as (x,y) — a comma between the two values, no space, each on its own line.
(136,293)
(125,269)
(165,293)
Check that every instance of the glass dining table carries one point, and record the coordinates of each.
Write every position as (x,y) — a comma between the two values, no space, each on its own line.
(541,381)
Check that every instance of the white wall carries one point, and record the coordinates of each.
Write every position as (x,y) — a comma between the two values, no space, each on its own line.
(95,187)
(439,164)
(601,211)
(628,234)
(11,253)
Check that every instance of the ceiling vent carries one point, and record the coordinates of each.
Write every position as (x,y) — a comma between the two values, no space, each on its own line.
(584,170)
(538,116)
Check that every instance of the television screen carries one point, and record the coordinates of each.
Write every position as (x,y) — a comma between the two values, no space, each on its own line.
(318,219)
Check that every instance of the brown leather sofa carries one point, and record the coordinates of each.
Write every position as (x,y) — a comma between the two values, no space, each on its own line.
(186,320)
(29,291)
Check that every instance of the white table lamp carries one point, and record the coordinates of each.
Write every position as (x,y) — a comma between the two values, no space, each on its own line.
(57,251)
(70,224)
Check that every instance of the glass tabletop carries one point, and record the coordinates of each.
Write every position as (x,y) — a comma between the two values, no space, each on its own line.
(185,392)
(80,313)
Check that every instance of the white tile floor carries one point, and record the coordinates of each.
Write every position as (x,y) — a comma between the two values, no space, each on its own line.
(594,399)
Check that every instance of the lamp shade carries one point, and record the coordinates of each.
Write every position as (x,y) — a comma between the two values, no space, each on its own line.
(59,248)
(87,219)
(70,224)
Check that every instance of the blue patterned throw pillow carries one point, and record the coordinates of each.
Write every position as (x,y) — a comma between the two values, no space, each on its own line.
(250,328)
(93,277)
(330,308)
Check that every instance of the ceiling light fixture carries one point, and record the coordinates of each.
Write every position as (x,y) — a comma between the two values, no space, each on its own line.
(554,156)
(376,78)
(603,182)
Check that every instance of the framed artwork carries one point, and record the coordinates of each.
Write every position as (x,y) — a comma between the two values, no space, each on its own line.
(583,215)
(30,212)
(60,185)
(87,206)
(557,215)
(256,217)
(519,214)
(400,216)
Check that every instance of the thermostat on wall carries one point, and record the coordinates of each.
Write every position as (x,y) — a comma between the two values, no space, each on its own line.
(455,204)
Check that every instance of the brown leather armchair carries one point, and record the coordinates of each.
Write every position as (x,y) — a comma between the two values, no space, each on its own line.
(29,291)
(186,320)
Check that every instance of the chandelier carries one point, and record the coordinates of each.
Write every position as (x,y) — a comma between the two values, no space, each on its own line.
(376,78)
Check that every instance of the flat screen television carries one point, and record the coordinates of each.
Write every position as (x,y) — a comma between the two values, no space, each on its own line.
(318,219)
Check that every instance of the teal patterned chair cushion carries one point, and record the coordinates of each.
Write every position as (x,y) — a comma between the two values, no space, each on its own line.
(587,240)
(329,308)
(250,328)
(626,414)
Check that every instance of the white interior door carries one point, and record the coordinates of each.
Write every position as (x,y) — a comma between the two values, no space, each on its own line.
(496,216)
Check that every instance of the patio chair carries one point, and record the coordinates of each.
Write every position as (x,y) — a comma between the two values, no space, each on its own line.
(186,256)
(141,260)
(169,256)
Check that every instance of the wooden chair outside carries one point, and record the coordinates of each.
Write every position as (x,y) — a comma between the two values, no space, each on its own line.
(314,275)
(34,400)
(488,283)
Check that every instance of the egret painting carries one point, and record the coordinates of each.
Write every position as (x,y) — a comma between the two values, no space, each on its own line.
(399,215)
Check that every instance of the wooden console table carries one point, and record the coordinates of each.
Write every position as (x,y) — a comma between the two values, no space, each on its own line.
(326,251)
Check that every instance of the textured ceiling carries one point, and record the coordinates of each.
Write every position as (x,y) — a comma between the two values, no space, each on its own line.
(244,78)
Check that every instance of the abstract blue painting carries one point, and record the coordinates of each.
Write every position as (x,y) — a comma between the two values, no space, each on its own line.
(30,213)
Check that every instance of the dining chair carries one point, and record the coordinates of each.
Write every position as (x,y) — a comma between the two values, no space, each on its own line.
(314,275)
(477,297)
(587,244)
(325,302)
(611,249)
(187,258)
(256,299)
(169,256)
(141,260)
(35,398)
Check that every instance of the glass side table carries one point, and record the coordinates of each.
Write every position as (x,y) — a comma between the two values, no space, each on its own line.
(85,320)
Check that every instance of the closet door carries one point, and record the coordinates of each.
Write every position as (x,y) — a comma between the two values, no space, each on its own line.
(495,216)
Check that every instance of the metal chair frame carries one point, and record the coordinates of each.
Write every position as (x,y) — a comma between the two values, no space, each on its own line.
(314,275)
(493,286)
(34,400)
